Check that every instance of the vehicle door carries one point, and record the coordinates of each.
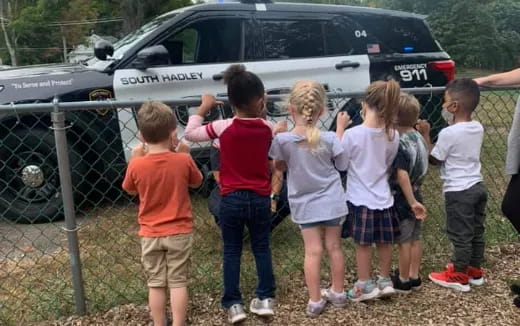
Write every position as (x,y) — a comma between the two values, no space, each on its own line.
(200,49)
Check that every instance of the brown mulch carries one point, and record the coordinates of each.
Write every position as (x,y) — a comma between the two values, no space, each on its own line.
(432,305)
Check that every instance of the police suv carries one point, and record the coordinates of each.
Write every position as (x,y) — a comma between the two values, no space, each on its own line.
(182,54)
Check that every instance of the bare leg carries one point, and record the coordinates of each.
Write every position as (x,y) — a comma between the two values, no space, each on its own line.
(157,303)
(405,256)
(363,260)
(313,252)
(384,252)
(179,302)
(415,263)
(336,259)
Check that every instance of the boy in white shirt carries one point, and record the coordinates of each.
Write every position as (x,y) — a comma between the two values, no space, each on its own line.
(458,152)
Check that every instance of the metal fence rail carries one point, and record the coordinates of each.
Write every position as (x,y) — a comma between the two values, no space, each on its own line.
(67,160)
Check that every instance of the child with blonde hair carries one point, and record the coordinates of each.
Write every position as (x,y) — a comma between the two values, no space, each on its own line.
(316,196)
(371,148)
(410,168)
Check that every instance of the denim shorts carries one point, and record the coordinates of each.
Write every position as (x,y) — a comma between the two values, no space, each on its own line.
(328,223)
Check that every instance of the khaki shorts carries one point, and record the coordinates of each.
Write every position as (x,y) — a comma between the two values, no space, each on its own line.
(166,260)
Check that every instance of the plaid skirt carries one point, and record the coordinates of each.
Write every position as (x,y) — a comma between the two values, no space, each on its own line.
(367,226)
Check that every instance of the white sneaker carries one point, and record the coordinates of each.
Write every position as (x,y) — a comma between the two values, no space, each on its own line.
(264,308)
(236,313)
(386,287)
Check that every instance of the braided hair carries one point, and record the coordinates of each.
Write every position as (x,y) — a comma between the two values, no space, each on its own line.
(309,99)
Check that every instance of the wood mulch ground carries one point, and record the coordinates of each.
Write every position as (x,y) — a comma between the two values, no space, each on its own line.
(432,305)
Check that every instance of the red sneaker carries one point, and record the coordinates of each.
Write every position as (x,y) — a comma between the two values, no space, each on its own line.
(476,275)
(451,279)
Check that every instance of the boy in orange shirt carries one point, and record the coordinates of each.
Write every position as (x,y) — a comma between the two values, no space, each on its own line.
(161,178)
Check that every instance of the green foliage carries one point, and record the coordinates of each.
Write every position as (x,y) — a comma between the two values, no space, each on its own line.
(36,41)
(476,33)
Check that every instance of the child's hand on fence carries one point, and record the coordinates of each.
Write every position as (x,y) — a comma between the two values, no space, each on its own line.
(423,127)
(138,151)
(419,210)
(343,121)
(208,102)
(280,126)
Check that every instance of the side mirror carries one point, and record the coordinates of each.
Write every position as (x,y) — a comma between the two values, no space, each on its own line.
(102,49)
(153,56)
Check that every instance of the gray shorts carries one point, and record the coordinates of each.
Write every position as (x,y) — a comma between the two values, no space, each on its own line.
(328,223)
(410,229)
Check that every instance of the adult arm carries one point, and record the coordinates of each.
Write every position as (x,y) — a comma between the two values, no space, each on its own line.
(503,79)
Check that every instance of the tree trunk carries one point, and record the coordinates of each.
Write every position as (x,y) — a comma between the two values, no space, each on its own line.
(8,44)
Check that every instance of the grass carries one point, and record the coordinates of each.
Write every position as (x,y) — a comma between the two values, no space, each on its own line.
(39,287)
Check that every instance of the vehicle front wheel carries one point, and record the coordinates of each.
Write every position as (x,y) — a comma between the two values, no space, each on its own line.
(30,189)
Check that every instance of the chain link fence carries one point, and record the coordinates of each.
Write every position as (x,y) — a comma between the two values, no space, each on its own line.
(50,268)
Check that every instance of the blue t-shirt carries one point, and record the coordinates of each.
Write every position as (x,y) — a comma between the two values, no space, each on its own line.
(315,190)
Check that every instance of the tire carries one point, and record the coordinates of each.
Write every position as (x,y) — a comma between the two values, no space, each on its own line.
(39,199)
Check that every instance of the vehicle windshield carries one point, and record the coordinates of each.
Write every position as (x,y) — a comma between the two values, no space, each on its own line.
(127,42)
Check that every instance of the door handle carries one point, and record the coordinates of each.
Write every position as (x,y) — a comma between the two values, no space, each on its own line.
(217,77)
(347,64)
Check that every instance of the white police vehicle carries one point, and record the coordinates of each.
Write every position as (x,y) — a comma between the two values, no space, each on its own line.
(182,54)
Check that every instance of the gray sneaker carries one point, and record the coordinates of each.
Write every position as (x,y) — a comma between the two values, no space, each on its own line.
(236,313)
(337,300)
(264,308)
(386,287)
(363,291)
(315,309)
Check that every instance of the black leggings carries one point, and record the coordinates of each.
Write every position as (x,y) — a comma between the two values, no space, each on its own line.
(511,202)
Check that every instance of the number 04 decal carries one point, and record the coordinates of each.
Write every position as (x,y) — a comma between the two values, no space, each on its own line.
(417,74)
(360,34)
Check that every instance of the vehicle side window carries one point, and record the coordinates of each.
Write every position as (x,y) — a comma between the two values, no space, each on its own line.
(182,46)
(338,39)
(206,41)
(285,39)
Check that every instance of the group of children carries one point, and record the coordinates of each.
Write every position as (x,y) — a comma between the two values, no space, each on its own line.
(386,159)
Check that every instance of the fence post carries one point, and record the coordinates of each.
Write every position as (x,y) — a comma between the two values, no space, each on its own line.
(60,136)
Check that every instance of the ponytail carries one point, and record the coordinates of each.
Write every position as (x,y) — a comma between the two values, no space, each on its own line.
(384,98)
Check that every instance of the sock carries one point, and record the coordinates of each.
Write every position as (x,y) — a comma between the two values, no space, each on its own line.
(382,278)
(404,280)
(318,303)
(336,294)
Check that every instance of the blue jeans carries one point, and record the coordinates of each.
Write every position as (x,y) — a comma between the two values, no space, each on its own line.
(236,210)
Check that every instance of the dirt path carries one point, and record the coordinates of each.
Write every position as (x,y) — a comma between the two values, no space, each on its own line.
(432,305)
